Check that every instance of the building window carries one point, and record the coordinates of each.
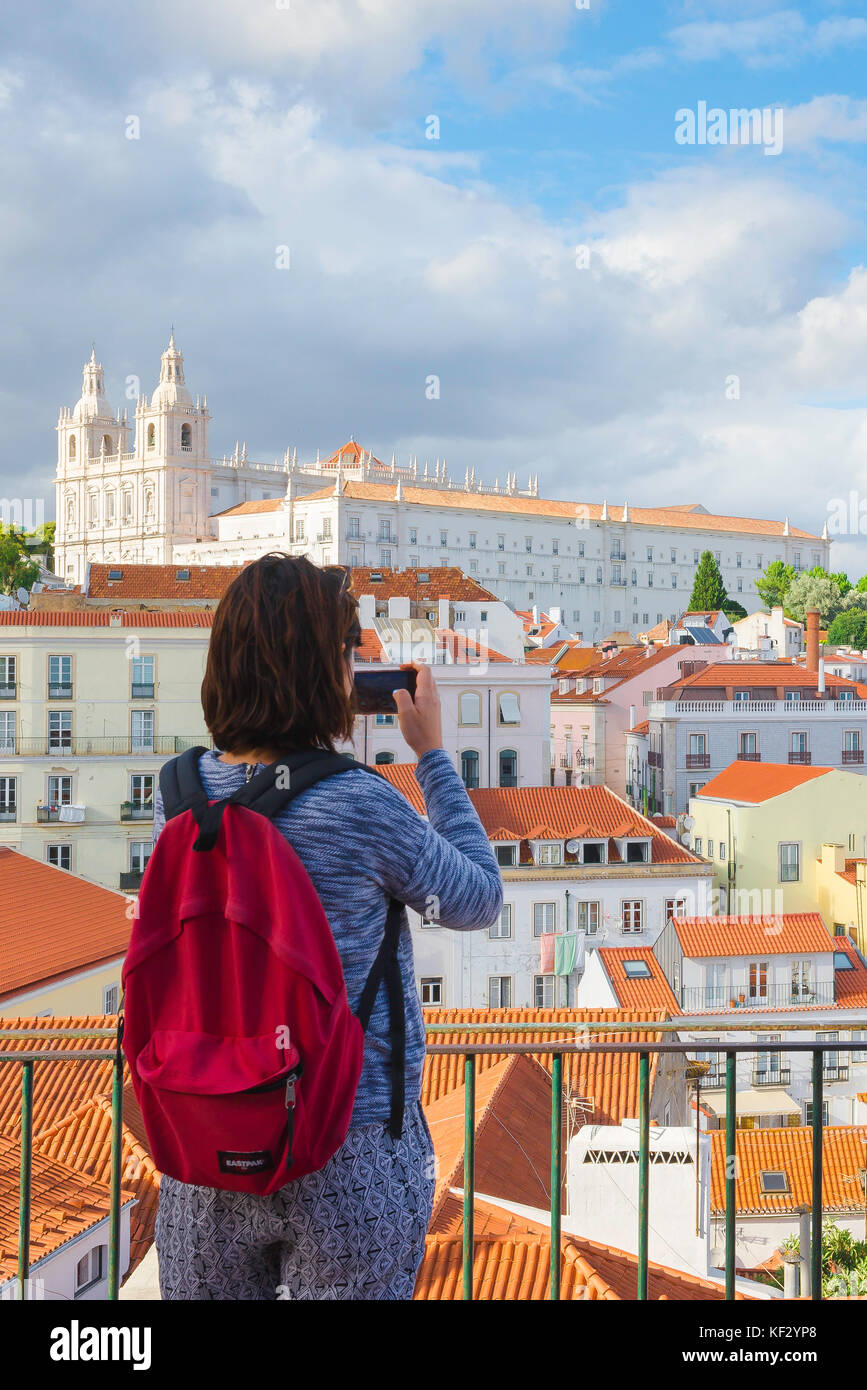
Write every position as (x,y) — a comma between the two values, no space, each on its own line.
(444,539)
(141,794)
(501,930)
(139,853)
(790,862)
(748,747)
(60,731)
(472,540)
(470,708)
(143,681)
(543,991)
(544,918)
(91,1267)
(186,437)
(808,1112)
(598,574)
(508,708)
(60,856)
(60,678)
(355,528)
(757,978)
(549,854)
(470,768)
(508,767)
(507,856)
(501,569)
(588,918)
(8,677)
(432,990)
(413,535)
(384,759)
(8,798)
(632,910)
(152,436)
(385,558)
(110,999)
(499,992)
(674,907)
(555,547)
(384,721)
(142,730)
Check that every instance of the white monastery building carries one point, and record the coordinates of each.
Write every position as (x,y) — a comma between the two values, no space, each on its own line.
(161,498)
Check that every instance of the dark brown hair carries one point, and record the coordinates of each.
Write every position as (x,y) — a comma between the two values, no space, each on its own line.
(275,677)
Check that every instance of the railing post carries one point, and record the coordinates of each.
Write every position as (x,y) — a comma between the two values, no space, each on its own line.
(26,1177)
(816,1235)
(643,1170)
(469,1170)
(731,1172)
(116,1135)
(556,1169)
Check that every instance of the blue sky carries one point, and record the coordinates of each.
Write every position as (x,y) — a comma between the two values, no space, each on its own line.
(711,346)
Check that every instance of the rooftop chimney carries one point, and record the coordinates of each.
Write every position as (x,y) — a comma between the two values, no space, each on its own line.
(821,681)
(811,662)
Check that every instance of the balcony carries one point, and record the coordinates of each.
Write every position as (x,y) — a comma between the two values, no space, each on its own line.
(142,691)
(132,810)
(84,746)
(24,1047)
(130,882)
(8,813)
(765,709)
(694,760)
(853,755)
(8,690)
(60,690)
(654,759)
(801,758)
(835,1073)
(767,1076)
(722,998)
(749,757)
(47,814)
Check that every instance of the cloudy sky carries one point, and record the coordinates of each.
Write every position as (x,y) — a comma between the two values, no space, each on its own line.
(498,193)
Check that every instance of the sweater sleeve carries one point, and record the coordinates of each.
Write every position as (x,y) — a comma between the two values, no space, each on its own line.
(442,867)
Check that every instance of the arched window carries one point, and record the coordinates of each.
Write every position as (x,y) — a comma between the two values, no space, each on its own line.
(508,708)
(384,758)
(470,768)
(109,508)
(106,443)
(186,436)
(72,446)
(508,764)
(127,505)
(152,436)
(470,707)
(93,508)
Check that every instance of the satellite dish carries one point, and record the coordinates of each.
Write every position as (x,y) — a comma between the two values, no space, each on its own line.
(573,846)
(685,839)
(688,822)
(23,597)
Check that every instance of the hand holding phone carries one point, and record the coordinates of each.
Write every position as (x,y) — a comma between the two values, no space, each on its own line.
(419,715)
(374,690)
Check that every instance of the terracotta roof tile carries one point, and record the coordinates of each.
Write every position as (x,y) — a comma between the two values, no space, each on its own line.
(756,782)
(750,675)
(58,1087)
(102,617)
(850,986)
(159,581)
(606,1082)
(743,936)
(443,581)
(402,776)
(790,1151)
(641,994)
(53,924)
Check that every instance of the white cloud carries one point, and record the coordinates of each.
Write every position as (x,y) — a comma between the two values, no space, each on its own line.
(765,40)
(832,117)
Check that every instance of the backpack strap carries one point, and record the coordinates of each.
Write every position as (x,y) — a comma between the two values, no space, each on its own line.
(387,967)
(180,785)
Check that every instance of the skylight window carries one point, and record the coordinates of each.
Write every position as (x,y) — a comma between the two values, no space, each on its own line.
(375,577)
(114,576)
(842,961)
(423,577)
(637,970)
(182,575)
(774,1182)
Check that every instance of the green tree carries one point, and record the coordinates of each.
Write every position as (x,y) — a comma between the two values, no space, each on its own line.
(861,586)
(41,543)
(813,591)
(773,585)
(733,610)
(17,569)
(708,590)
(849,629)
(844,1261)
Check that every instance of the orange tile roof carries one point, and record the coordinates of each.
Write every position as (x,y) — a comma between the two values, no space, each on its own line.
(742,936)
(53,924)
(790,1150)
(442,581)
(58,1087)
(849,874)
(402,776)
(159,581)
(510,1263)
(749,675)
(641,728)
(674,516)
(757,782)
(102,617)
(850,986)
(608,1082)
(370,647)
(457,645)
(560,813)
(654,993)
(64,1204)
(513,1134)
(264,505)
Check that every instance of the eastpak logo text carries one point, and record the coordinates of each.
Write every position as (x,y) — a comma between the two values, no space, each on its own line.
(77,1343)
(234,1161)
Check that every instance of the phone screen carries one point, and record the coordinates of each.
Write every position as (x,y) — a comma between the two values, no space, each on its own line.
(373,688)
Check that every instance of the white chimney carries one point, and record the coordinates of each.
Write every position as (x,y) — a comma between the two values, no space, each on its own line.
(398,606)
(631,716)
(535,613)
(821,683)
(366,609)
(444,619)
(556,615)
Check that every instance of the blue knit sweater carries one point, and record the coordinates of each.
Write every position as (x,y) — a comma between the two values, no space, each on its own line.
(362,843)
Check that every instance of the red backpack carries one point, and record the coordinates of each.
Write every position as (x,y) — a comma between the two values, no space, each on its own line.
(243,1050)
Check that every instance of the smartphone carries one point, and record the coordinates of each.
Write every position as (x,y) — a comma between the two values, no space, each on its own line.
(373,688)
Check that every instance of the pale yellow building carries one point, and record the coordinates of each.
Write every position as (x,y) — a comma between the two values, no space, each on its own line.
(91,704)
(765,828)
(841,882)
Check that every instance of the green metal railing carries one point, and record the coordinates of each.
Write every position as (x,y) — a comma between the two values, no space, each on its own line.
(561,1048)
(27,1060)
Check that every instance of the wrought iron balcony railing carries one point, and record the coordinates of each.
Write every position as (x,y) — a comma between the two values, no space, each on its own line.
(134,810)
(714,998)
(768,1076)
(98,746)
(570,1038)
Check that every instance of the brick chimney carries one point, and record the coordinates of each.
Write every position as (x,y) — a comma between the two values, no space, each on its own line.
(811,662)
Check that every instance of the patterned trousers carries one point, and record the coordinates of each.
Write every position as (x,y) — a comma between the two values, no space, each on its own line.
(354,1230)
